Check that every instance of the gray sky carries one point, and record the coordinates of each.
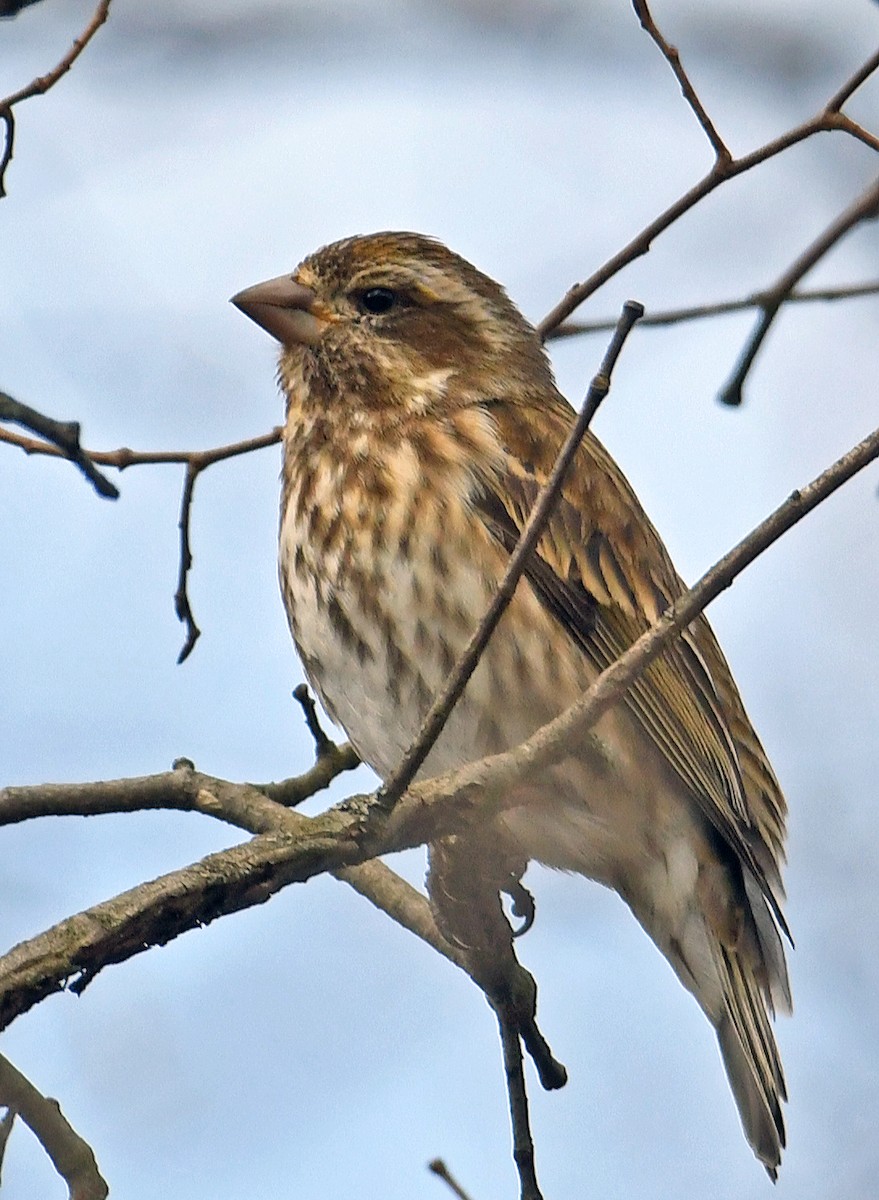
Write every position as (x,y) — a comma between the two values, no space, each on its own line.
(309,1047)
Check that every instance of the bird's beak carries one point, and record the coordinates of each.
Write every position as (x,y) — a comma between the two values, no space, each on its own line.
(285,309)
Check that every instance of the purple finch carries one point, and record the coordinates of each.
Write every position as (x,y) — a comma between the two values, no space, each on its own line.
(422,419)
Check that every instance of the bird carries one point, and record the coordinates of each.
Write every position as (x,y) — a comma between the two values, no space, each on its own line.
(422,419)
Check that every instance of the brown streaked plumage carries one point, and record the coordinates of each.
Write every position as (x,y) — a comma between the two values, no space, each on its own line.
(422,419)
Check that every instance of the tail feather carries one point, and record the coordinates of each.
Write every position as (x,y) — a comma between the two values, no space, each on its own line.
(751,1058)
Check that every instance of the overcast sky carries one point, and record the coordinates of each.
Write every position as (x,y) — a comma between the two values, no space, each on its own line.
(309,1047)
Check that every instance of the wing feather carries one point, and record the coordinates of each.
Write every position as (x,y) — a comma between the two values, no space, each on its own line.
(603,572)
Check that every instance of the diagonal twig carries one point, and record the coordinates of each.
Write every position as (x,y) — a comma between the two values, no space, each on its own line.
(865,208)
(673,58)
(71,1156)
(437,1167)
(450,693)
(41,85)
(851,85)
(323,744)
(829,118)
(64,435)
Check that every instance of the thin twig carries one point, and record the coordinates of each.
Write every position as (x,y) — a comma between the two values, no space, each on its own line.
(64,436)
(865,208)
(323,745)
(851,85)
(439,1168)
(182,606)
(71,1156)
(544,747)
(523,1143)
(676,316)
(125,457)
(827,119)
(450,693)
(167,790)
(195,462)
(673,58)
(41,85)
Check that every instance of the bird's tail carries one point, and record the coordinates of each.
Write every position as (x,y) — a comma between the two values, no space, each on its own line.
(753,981)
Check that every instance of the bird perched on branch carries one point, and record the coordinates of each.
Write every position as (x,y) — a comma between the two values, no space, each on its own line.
(422,420)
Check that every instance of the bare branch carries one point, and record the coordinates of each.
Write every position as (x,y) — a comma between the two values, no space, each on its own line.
(865,208)
(445,701)
(489,779)
(182,607)
(195,461)
(673,58)
(124,457)
(41,85)
(676,316)
(523,1144)
(65,438)
(177,790)
(829,118)
(71,1156)
(851,85)
(439,1168)
(322,744)
(361,828)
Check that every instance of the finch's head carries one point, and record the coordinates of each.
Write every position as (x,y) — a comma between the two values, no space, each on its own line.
(382,314)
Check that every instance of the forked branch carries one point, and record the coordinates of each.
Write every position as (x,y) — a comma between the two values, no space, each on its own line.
(360,828)
(41,85)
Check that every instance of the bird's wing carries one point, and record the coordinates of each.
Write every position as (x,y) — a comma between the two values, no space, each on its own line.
(603,572)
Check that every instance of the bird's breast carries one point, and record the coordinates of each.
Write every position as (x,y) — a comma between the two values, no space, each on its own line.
(386,571)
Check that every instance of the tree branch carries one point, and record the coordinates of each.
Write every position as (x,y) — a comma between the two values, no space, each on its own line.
(64,436)
(672,57)
(71,1156)
(865,208)
(41,85)
(66,445)
(695,312)
(437,1167)
(829,118)
(523,1143)
(360,828)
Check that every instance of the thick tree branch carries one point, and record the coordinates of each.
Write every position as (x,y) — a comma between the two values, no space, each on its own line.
(41,85)
(71,1157)
(360,828)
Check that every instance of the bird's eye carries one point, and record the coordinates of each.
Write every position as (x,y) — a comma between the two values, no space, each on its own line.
(377,300)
